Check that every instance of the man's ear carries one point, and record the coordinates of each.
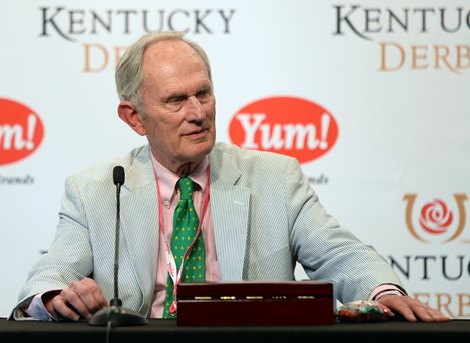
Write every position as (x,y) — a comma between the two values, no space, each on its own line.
(129,114)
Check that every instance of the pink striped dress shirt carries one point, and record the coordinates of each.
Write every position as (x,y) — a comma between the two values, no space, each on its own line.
(169,196)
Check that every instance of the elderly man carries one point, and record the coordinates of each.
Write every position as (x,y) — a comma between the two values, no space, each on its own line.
(252,215)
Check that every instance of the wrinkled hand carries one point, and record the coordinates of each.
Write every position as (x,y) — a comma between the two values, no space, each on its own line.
(412,309)
(80,299)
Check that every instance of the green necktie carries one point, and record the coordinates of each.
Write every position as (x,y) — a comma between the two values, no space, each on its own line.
(185,226)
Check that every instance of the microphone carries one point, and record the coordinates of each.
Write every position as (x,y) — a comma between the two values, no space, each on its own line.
(118,176)
(115,314)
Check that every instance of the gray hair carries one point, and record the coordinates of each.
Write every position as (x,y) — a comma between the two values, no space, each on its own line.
(129,74)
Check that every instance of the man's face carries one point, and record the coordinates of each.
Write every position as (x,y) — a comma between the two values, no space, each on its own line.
(178,104)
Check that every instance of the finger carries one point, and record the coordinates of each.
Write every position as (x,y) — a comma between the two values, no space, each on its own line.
(385,310)
(428,314)
(73,300)
(398,304)
(97,293)
(439,316)
(93,296)
(62,310)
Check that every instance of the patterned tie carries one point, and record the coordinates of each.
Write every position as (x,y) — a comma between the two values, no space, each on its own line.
(185,227)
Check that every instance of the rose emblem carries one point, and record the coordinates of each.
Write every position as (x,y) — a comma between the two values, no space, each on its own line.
(435,217)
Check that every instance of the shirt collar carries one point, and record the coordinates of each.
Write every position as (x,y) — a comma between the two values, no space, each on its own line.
(167,179)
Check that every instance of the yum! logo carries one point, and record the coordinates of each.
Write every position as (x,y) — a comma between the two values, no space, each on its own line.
(21,131)
(286,125)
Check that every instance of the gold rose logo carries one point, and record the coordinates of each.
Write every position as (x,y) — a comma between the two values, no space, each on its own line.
(436,218)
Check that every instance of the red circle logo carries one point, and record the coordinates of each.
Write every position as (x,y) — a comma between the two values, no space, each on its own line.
(436,217)
(21,131)
(287,125)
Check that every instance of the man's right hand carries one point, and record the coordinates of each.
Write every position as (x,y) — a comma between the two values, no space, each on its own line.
(81,298)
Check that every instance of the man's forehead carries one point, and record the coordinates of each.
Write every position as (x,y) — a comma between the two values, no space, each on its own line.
(169,50)
(190,87)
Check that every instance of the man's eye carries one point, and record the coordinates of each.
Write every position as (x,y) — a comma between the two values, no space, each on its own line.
(175,100)
(203,94)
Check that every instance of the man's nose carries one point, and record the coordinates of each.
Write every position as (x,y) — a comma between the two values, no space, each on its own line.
(194,109)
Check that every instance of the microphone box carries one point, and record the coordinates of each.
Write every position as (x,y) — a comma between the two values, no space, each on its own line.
(255,303)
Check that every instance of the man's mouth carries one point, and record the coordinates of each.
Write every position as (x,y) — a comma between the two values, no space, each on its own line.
(195,133)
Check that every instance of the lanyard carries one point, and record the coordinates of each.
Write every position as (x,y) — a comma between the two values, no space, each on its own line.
(170,260)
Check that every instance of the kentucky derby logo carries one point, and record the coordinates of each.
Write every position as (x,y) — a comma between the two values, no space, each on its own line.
(435,219)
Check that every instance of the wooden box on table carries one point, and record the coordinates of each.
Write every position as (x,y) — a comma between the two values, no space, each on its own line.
(255,303)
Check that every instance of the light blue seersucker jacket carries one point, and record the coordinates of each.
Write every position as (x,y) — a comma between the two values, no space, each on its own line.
(265,214)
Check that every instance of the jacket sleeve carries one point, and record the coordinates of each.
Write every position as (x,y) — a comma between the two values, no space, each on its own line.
(69,257)
(327,250)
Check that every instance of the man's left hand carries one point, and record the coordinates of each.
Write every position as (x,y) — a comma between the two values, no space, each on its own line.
(412,309)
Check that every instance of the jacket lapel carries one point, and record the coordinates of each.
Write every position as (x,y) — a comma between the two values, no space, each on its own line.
(139,220)
(230,208)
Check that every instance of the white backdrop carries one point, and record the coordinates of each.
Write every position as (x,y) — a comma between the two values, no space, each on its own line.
(380,90)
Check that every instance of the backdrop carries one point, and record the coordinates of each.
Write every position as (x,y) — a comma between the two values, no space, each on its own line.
(372,97)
